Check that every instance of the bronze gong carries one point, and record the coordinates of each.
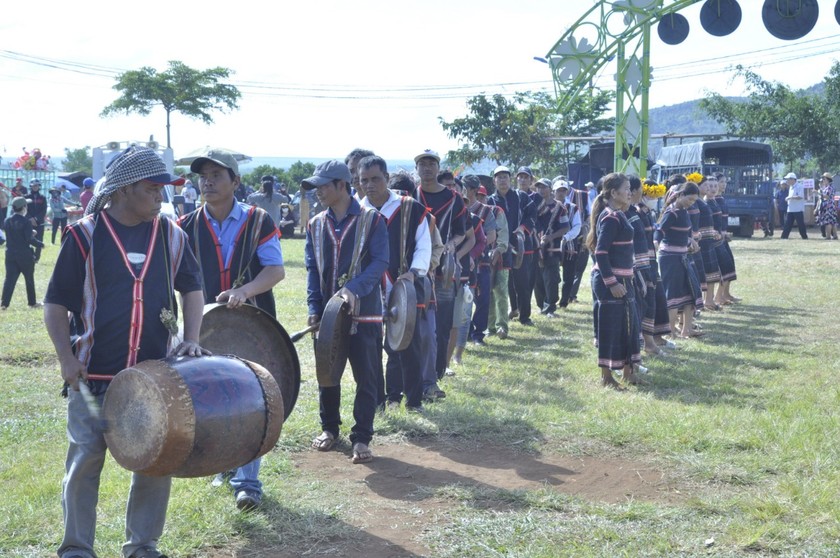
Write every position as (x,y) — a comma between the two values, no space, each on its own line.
(333,342)
(401,315)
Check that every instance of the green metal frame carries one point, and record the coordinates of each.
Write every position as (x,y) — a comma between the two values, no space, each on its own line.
(621,31)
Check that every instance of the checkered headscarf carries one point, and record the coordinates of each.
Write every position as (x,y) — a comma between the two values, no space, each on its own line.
(132,165)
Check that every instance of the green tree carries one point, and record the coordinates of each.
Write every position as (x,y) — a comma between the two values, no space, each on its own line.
(297,172)
(800,127)
(194,93)
(520,130)
(77,160)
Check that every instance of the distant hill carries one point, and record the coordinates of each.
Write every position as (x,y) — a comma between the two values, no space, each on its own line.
(683,118)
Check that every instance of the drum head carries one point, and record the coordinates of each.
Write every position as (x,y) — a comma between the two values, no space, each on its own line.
(333,343)
(401,315)
(252,334)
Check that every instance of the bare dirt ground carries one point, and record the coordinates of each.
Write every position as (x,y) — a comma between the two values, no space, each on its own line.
(396,499)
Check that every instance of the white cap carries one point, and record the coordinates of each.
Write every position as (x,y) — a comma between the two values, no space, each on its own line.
(501,168)
(560,184)
(790,175)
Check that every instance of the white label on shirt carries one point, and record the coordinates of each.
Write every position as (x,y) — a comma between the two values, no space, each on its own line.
(136,258)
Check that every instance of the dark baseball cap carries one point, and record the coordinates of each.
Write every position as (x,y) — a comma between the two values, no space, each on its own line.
(525,170)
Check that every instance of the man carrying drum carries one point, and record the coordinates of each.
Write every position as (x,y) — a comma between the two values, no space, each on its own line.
(240,261)
(116,273)
(346,254)
(410,252)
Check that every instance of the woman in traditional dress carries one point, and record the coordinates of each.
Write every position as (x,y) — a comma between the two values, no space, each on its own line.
(726,259)
(709,237)
(682,289)
(655,322)
(611,241)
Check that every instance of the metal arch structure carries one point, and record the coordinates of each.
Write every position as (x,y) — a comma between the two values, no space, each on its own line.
(614,30)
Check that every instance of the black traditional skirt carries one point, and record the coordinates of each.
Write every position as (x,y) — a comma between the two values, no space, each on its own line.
(726,260)
(619,326)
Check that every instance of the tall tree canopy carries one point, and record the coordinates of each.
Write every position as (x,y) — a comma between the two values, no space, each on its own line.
(77,160)
(194,93)
(802,128)
(519,131)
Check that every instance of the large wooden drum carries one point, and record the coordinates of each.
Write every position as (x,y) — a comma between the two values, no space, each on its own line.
(191,417)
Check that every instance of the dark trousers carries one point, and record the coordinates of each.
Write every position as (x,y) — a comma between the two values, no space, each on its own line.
(799,217)
(547,286)
(3,212)
(58,224)
(17,265)
(482,303)
(569,265)
(39,234)
(443,324)
(520,288)
(364,350)
(404,371)
(580,266)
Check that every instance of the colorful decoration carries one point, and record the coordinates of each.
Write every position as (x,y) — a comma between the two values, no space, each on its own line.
(35,161)
(695,177)
(654,191)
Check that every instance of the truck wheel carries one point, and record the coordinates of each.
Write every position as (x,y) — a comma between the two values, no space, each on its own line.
(747,227)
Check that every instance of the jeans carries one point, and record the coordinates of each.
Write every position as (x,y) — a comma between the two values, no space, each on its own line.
(482,304)
(246,478)
(58,224)
(427,328)
(147,500)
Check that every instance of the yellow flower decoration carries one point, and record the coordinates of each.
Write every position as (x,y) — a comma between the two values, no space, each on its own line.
(654,191)
(695,177)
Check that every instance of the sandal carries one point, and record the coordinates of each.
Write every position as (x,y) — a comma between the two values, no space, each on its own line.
(324,442)
(361,453)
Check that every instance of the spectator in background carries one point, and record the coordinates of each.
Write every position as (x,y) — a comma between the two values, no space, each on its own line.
(37,213)
(87,193)
(190,196)
(827,215)
(267,199)
(4,202)
(795,207)
(19,257)
(59,212)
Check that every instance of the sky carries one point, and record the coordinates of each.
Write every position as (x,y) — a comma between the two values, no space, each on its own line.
(320,78)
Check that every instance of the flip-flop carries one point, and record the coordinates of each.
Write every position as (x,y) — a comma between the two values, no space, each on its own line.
(324,441)
(361,453)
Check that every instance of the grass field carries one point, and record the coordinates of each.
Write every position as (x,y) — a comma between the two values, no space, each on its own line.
(744,425)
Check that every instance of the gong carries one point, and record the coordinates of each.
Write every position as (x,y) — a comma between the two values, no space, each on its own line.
(401,315)
(333,343)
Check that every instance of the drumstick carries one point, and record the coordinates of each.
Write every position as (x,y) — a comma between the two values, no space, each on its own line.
(299,335)
(93,405)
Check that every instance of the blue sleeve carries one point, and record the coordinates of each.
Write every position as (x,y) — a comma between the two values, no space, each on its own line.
(378,248)
(314,296)
(269,251)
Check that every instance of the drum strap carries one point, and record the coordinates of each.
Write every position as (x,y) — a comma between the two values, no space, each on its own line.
(363,226)
(405,225)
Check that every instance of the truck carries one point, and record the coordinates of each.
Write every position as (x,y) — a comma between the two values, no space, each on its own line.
(747,165)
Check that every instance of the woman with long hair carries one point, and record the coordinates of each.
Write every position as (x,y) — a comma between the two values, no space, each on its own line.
(709,237)
(655,322)
(643,276)
(682,289)
(726,259)
(610,240)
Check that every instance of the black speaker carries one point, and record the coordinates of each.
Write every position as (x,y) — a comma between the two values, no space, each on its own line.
(790,19)
(602,155)
(672,29)
(720,17)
